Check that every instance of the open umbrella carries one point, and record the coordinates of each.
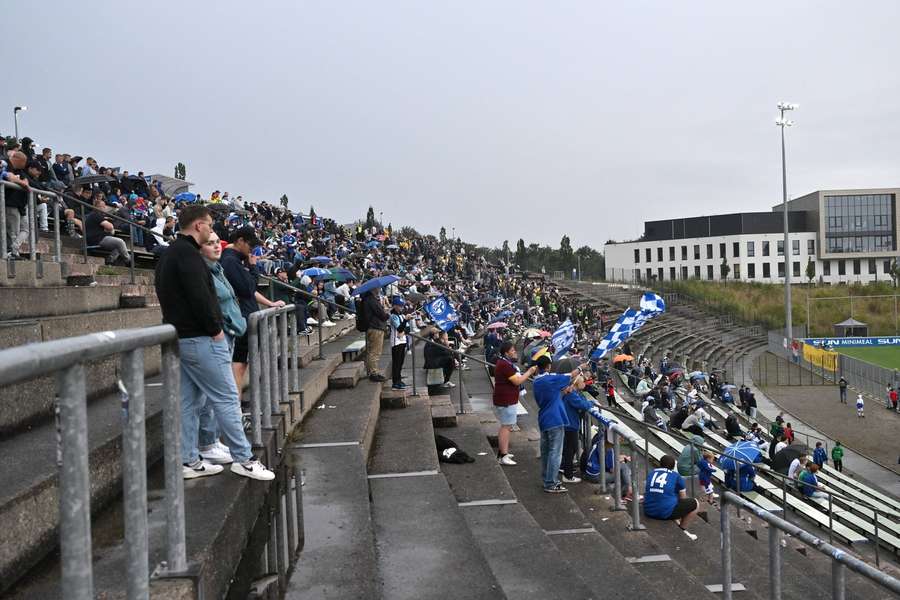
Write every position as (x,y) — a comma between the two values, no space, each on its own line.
(745,451)
(728,386)
(497,325)
(392,247)
(620,357)
(342,274)
(185,197)
(320,259)
(372,244)
(782,460)
(375,283)
(531,332)
(415,297)
(544,333)
(315,272)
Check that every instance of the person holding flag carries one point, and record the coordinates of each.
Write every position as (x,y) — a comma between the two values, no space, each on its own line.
(399,326)
(563,339)
(508,388)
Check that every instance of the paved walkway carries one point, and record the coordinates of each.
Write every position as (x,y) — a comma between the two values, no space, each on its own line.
(817,411)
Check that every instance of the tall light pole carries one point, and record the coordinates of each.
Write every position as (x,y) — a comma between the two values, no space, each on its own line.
(782,123)
(16,112)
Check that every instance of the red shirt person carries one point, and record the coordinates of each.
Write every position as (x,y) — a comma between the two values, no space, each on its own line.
(507,389)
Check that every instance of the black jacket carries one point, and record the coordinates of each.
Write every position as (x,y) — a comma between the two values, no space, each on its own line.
(437,356)
(186,292)
(377,316)
(243,277)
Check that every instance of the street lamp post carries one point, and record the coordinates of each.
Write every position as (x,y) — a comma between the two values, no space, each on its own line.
(782,123)
(16,111)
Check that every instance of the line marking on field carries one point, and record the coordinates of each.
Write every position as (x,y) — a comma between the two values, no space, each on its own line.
(569,531)
(650,558)
(326,445)
(492,502)
(407,474)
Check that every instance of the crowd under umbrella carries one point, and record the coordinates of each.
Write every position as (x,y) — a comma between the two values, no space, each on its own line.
(782,460)
(315,272)
(321,259)
(342,274)
(375,283)
(745,451)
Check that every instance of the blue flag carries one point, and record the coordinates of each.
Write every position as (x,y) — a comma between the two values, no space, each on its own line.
(442,312)
(618,333)
(563,338)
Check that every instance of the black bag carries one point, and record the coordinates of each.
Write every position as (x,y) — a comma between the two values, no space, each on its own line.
(362,317)
(449,452)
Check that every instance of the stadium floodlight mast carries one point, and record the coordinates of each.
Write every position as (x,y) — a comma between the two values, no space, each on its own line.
(782,123)
(16,111)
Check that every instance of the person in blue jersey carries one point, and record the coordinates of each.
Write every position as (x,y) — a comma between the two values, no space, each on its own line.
(665,498)
(552,419)
(576,405)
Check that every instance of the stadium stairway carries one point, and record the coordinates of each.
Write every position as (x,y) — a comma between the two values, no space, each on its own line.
(222,512)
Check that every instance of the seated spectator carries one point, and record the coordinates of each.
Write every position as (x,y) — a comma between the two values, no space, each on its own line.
(732,427)
(747,482)
(665,496)
(688,459)
(99,232)
(810,487)
(797,465)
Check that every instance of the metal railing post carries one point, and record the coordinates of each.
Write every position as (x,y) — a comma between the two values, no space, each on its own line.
(459,385)
(412,345)
(274,371)
(877,542)
(265,405)
(725,527)
(693,485)
(285,359)
(134,473)
(635,492)
(602,432)
(3,240)
(830,519)
(74,486)
(774,563)
(57,251)
(176,546)
(319,319)
(838,580)
(32,220)
(646,452)
(784,495)
(131,255)
(83,236)
(617,476)
(255,367)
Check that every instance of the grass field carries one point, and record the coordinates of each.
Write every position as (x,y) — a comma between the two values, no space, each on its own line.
(885,356)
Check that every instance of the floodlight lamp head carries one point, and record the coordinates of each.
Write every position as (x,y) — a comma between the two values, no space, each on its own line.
(20,108)
(787,106)
(784,122)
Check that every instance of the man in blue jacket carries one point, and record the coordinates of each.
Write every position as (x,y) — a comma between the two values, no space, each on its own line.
(552,420)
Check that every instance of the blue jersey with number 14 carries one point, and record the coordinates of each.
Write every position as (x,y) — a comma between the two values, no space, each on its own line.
(661,493)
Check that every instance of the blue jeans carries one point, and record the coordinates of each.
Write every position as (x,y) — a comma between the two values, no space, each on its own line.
(209,431)
(551,454)
(206,379)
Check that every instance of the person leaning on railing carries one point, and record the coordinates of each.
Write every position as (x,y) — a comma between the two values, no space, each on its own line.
(188,300)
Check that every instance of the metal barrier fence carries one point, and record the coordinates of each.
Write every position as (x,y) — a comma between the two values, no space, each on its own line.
(840,560)
(273,359)
(67,358)
(29,228)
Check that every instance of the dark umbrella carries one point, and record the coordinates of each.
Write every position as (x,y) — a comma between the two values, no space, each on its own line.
(415,297)
(784,457)
(92,179)
(375,283)
(321,259)
(342,274)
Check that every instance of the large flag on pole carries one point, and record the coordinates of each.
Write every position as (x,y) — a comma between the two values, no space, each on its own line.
(652,305)
(563,338)
(442,312)
(618,333)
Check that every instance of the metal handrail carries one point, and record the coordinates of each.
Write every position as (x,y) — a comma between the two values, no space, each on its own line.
(67,358)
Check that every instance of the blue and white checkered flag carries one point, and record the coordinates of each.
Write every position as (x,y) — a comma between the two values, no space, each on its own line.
(563,338)
(442,313)
(618,333)
(653,303)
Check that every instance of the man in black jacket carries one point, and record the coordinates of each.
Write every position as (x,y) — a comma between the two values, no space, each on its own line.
(377,319)
(188,300)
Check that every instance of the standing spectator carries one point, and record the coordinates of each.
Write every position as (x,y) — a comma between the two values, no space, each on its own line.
(860,407)
(575,404)
(508,382)
(61,170)
(837,455)
(188,300)
(666,498)
(399,326)
(893,396)
(16,201)
(552,420)
(376,319)
(706,470)
(751,403)
(99,232)
(789,434)
(610,393)
(842,387)
(819,456)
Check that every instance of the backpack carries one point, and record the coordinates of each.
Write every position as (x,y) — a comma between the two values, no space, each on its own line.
(362,317)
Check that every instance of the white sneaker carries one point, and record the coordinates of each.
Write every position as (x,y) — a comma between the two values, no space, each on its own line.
(690,535)
(311,321)
(328,323)
(252,469)
(450,384)
(507,460)
(217,454)
(200,468)
(572,479)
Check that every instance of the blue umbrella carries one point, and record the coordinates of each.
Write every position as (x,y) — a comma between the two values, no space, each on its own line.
(392,247)
(372,244)
(315,272)
(745,451)
(375,283)
(185,197)
(342,274)
(320,259)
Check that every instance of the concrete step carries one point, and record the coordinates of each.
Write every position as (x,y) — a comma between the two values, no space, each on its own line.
(346,375)
(36,302)
(443,412)
(24,273)
(393,399)
(29,498)
(420,558)
(29,402)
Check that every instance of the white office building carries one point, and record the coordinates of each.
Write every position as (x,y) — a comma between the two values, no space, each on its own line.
(847,236)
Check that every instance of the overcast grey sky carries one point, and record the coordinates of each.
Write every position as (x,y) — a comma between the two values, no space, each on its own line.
(501,119)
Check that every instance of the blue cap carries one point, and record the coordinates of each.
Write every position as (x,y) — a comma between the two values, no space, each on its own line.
(398,301)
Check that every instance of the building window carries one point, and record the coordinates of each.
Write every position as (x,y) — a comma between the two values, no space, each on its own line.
(696,251)
(709,251)
(721,250)
(684,254)
(780,245)
(736,271)
(709,272)
(672,273)
(751,249)
(697,272)
(649,274)
(672,254)
(887,267)
(842,267)
(826,268)
(736,249)
(781,269)
(637,274)
(684,272)
(857,267)
(751,271)
(637,255)
(869,217)
(659,255)
(873,266)
(765,248)
(767,271)
(649,254)
(795,247)
(811,247)
(796,269)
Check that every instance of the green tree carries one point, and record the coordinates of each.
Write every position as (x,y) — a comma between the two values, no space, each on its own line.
(724,268)
(370,218)
(565,249)
(409,232)
(443,234)
(810,270)
(895,272)
(312,211)
(284,200)
(180,171)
